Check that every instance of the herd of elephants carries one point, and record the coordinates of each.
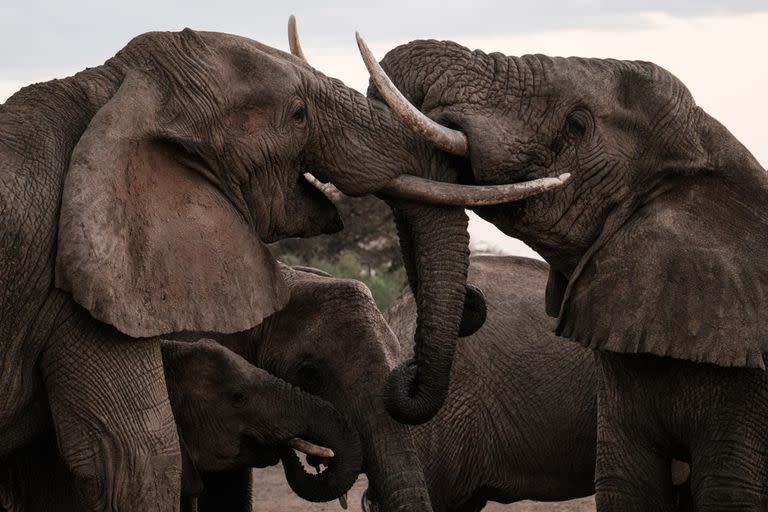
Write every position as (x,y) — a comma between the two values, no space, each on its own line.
(152,351)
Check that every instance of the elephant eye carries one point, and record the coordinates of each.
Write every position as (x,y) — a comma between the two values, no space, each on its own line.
(237,398)
(577,124)
(308,376)
(299,114)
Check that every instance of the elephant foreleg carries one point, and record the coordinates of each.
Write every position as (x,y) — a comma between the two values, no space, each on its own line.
(113,420)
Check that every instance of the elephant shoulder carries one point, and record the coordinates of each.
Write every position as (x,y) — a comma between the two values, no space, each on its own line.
(686,277)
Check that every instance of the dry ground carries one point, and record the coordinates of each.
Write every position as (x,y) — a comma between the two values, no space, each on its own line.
(272,494)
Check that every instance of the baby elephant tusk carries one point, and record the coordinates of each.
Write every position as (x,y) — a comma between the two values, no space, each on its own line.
(423,190)
(304,446)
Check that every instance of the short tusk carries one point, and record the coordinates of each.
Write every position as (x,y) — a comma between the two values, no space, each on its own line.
(293,39)
(451,141)
(304,446)
(423,190)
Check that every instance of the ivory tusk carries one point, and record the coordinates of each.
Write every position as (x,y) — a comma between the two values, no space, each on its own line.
(304,446)
(423,190)
(293,39)
(447,139)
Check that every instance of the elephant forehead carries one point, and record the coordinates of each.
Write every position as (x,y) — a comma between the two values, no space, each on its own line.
(251,57)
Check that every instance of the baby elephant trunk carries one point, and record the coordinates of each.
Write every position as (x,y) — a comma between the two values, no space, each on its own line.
(321,428)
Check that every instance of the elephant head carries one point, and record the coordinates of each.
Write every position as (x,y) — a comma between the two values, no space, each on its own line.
(231,414)
(196,153)
(331,340)
(662,202)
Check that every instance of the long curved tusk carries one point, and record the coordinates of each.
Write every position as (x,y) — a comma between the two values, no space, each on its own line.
(423,190)
(293,39)
(305,446)
(447,139)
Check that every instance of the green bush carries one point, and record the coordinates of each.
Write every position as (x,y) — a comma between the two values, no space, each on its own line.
(385,283)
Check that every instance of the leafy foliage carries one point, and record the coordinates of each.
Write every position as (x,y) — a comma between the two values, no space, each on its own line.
(385,282)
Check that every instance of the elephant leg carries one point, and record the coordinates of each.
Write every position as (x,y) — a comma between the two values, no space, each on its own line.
(632,470)
(629,474)
(113,421)
(226,491)
(729,450)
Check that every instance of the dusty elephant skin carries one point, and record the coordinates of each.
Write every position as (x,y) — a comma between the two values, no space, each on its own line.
(655,245)
(520,418)
(135,196)
(229,415)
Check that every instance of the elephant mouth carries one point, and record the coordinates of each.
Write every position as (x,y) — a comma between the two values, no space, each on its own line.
(257,455)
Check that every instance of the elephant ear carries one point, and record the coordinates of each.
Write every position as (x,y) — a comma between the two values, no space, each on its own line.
(146,243)
(686,275)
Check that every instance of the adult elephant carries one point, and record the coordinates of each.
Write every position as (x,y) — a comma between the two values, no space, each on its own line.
(135,196)
(521,412)
(656,248)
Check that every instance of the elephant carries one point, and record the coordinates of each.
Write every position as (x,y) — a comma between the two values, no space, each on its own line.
(136,197)
(229,414)
(521,410)
(654,245)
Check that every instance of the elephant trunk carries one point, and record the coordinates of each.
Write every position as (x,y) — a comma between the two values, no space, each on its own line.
(393,466)
(325,426)
(435,246)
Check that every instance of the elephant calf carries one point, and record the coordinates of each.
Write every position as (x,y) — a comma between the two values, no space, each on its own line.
(229,414)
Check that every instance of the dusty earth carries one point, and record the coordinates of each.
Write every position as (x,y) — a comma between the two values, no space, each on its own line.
(272,494)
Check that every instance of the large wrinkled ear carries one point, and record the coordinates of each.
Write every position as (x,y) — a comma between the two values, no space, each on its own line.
(146,243)
(684,276)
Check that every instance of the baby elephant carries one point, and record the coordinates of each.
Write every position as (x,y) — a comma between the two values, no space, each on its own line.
(229,415)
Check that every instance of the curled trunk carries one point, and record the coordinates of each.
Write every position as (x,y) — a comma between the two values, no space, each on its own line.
(435,246)
(323,425)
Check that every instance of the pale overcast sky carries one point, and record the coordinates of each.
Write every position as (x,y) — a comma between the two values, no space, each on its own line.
(719,51)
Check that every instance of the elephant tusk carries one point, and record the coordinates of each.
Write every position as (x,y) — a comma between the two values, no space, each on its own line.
(447,139)
(308,448)
(293,39)
(423,190)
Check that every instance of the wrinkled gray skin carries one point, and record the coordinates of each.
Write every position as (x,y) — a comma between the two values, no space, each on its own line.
(533,435)
(655,247)
(229,415)
(519,421)
(332,341)
(134,198)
